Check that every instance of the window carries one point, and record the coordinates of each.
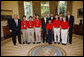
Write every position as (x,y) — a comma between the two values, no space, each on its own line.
(28,9)
(45,8)
(62,8)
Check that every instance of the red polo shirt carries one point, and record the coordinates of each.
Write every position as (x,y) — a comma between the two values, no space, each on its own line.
(30,24)
(57,23)
(24,24)
(64,25)
(49,26)
(37,23)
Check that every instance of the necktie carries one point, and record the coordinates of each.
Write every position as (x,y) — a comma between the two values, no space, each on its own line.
(61,18)
(45,20)
(68,18)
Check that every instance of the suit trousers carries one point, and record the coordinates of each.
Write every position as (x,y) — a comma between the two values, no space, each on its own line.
(70,35)
(14,33)
(45,35)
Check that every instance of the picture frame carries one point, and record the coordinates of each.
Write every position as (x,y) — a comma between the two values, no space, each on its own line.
(80,13)
(6,14)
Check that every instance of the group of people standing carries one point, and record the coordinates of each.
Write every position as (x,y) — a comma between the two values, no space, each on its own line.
(53,29)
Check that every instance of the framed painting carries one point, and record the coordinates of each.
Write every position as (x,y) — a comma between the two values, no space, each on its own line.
(80,13)
(6,14)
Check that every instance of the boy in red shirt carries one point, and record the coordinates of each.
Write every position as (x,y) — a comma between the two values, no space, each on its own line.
(24,29)
(38,24)
(64,30)
(57,24)
(30,30)
(49,28)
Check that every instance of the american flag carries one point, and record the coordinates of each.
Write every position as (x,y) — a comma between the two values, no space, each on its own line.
(34,12)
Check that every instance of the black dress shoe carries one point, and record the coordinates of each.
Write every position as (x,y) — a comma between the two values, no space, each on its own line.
(58,42)
(63,44)
(23,42)
(43,41)
(33,42)
(54,42)
(20,43)
(28,43)
(38,42)
(14,44)
(70,43)
(49,43)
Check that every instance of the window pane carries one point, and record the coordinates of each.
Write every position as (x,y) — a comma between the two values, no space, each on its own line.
(62,7)
(45,8)
(28,9)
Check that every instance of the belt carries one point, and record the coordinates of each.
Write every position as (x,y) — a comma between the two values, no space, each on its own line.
(37,27)
(64,29)
(30,28)
(57,27)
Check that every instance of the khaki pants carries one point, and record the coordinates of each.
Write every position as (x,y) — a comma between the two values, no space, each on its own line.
(38,34)
(30,34)
(64,34)
(24,35)
(56,32)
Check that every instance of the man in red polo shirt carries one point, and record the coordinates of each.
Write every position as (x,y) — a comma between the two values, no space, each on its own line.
(30,30)
(38,24)
(57,24)
(24,29)
(64,30)
(49,28)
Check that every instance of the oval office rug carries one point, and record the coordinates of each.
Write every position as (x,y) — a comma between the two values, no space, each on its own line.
(46,50)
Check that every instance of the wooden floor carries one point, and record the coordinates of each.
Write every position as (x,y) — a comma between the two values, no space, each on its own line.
(74,49)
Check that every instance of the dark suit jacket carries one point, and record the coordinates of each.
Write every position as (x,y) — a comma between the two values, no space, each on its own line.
(43,23)
(13,27)
(70,21)
(52,20)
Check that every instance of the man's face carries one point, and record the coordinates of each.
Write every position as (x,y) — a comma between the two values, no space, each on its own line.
(56,17)
(34,17)
(44,14)
(37,17)
(30,19)
(51,15)
(61,15)
(24,18)
(68,13)
(15,16)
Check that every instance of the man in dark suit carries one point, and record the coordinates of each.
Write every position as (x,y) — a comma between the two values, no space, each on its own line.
(15,28)
(60,17)
(70,20)
(44,22)
(51,18)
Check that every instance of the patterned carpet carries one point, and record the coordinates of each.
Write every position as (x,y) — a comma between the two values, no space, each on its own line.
(74,49)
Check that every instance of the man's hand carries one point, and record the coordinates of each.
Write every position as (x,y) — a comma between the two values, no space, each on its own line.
(22,31)
(10,30)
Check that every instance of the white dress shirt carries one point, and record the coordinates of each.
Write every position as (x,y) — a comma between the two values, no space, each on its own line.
(68,17)
(16,21)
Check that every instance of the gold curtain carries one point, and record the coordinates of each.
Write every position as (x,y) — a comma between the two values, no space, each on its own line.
(21,9)
(69,6)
